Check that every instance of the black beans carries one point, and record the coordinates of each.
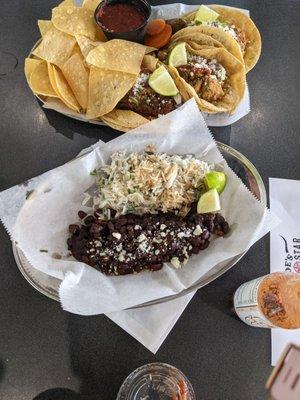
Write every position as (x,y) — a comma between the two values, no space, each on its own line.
(89,220)
(82,214)
(131,243)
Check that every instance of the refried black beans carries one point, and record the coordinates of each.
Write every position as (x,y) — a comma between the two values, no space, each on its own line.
(132,243)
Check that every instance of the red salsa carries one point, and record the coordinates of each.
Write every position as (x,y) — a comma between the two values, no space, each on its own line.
(120,17)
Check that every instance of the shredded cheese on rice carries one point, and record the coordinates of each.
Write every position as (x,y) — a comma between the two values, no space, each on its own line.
(149,182)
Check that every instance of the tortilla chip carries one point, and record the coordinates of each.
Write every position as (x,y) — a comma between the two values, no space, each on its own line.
(91,4)
(150,49)
(149,62)
(77,78)
(40,82)
(243,22)
(106,89)
(74,21)
(30,65)
(52,77)
(56,47)
(76,50)
(118,55)
(44,26)
(124,120)
(64,90)
(85,44)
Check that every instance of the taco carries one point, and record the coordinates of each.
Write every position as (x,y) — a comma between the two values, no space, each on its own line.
(142,103)
(213,76)
(235,24)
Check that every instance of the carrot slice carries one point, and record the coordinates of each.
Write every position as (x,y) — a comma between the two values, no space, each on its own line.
(161,39)
(155,26)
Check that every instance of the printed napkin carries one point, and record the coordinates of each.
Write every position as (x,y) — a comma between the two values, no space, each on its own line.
(285,247)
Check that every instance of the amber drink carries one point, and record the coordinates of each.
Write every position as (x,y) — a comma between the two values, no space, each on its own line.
(271,301)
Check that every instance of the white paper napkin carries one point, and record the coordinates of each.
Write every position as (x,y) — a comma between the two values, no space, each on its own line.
(284,247)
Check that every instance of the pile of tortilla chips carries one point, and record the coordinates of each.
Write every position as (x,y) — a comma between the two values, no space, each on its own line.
(75,66)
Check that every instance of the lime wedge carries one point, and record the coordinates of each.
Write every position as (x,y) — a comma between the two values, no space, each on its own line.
(209,202)
(215,180)
(162,83)
(206,14)
(178,55)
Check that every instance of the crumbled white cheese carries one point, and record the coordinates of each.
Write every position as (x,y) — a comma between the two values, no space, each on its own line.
(226,28)
(121,257)
(117,235)
(175,262)
(139,83)
(197,230)
(119,247)
(141,238)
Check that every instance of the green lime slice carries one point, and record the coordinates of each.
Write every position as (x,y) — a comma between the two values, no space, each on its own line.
(209,202)
(178,55)
(215,180)
(206,14)
(162,83)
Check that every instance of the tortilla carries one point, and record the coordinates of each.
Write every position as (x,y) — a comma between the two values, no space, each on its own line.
(235,78)
(117,55)
(211,36)
(56,47)
(85,44)
(65,93)
(77,78)
(232,16)
(106,89)
(39,81)
(74,21)
(124,120)
(245,23)
(192,35)
(44,26)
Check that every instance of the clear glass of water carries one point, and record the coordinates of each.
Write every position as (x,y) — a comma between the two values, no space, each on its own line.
(156,381)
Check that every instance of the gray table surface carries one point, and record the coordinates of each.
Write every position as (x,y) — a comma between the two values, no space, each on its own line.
(46,353)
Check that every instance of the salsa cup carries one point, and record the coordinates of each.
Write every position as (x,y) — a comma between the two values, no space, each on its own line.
(136,35)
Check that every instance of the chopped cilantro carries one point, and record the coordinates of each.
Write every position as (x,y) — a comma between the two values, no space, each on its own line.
(94,172)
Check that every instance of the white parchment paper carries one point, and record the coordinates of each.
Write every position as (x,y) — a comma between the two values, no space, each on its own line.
(167,11)
(42,223)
